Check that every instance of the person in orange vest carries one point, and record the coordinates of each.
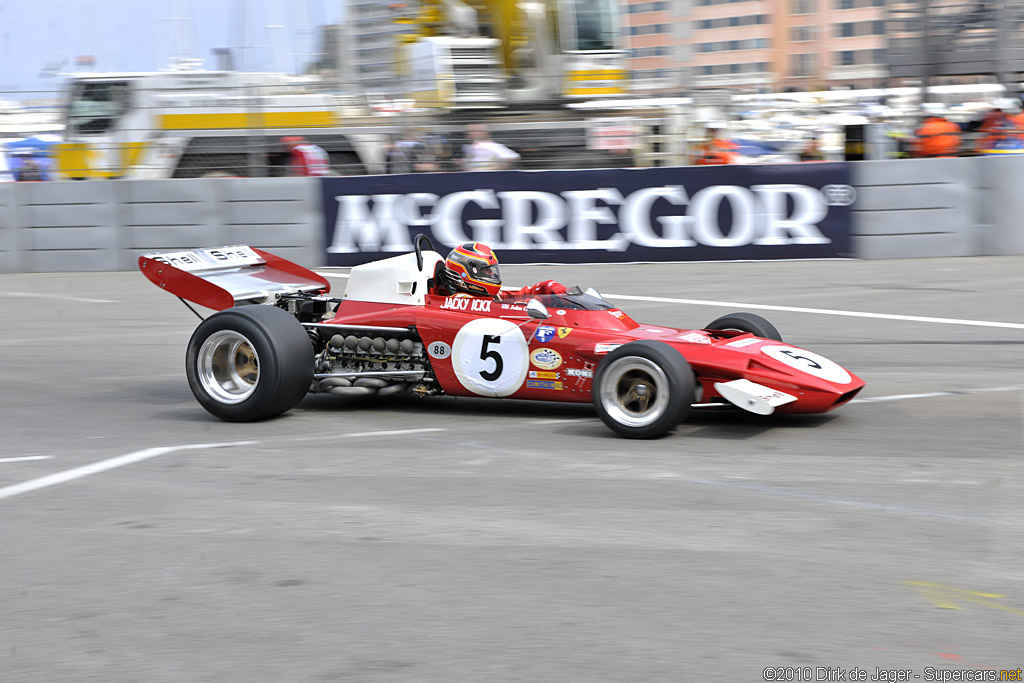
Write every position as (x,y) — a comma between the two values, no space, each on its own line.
(1018,123)
(997,128)
(718,150)
(937,137)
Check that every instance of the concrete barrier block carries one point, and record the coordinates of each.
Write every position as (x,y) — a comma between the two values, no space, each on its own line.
(1002,231)
(270,189)
(71,260)
(8,235)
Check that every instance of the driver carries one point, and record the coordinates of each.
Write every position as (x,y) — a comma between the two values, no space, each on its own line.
(471,269)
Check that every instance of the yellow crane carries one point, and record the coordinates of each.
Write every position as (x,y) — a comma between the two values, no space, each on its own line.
(487,53)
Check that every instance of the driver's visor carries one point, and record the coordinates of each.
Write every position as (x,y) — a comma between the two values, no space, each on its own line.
(486,273)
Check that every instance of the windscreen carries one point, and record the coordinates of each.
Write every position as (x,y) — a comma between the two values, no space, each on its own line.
(595,23)
(96,106)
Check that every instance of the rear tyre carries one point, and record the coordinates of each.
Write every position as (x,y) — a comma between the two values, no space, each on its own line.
(746,322)
(643,389)
(249,363)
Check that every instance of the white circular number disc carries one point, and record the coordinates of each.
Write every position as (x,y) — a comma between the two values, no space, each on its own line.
(490,357)
(808,362)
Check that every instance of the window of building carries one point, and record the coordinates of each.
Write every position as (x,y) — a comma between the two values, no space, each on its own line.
(845,30)
(734,45)
(845,58)
(844,4)
(878,56)
(878,28)
(801,65)
(799,34)
(801,6)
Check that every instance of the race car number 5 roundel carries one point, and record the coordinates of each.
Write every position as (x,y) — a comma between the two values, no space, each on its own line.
(808,362)
(489,356)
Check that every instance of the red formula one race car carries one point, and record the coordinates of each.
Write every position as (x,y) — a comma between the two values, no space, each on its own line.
(278,335)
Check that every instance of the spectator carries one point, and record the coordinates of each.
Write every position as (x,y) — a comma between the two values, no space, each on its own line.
(937,136)
(996,129)
(410,155)
(27,167)
(811,151)
(484,154)
(1018,123)
(305,158)
(718,150)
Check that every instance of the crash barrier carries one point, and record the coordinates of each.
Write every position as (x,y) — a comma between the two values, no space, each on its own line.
(901,209)
(593,216)
(106,225)
(938,207)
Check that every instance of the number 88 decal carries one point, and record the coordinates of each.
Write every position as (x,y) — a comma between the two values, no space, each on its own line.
(490,357)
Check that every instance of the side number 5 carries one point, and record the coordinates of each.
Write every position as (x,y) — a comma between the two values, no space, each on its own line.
(491,375)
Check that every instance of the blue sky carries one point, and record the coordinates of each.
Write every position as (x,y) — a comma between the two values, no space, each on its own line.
(142,35)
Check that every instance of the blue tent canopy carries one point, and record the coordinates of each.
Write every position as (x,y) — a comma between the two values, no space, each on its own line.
(40,144)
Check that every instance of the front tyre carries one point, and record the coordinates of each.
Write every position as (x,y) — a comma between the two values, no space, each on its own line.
(643,389)
(249,363)
(746,322)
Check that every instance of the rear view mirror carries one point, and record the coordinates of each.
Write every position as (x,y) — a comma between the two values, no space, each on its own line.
(536,309)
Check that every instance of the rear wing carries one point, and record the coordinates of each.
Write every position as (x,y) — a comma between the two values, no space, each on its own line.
(224,277)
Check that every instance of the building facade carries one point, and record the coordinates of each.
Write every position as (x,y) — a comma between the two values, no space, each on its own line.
(655,34)
(756,45)
(369,35)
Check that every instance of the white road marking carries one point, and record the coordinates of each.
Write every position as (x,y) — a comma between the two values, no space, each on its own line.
(395,432)
(561,420)
(59,297)
(792,309)
(108,464)
(934,394)
(820,311)
(25,458)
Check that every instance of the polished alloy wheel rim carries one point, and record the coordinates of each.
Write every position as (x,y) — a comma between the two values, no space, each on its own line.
(634,391)
(228,367)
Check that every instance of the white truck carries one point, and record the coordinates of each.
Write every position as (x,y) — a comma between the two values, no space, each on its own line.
(194,123)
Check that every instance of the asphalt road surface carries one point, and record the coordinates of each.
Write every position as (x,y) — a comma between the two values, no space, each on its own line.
(475,540)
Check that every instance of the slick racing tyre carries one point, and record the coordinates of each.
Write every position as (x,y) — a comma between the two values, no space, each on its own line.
(746,322)
(249,363)
(643,389)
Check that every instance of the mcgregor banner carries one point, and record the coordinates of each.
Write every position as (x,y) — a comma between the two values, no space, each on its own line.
(784,211)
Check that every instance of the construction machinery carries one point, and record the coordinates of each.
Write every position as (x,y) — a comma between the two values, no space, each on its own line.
(493,53)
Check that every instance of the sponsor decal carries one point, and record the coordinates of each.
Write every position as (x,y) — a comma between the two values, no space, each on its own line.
(695,338)
(438,350)
(467,304)
(538,384)
(542,374)
(564,332)
(544,334)
(658,212)
(617,313)
(605,348)
(740,343)
(546,359)
(581,375)
(560,312)
(512,307)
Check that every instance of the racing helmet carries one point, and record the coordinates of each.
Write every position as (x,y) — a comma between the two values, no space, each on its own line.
(473,268)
